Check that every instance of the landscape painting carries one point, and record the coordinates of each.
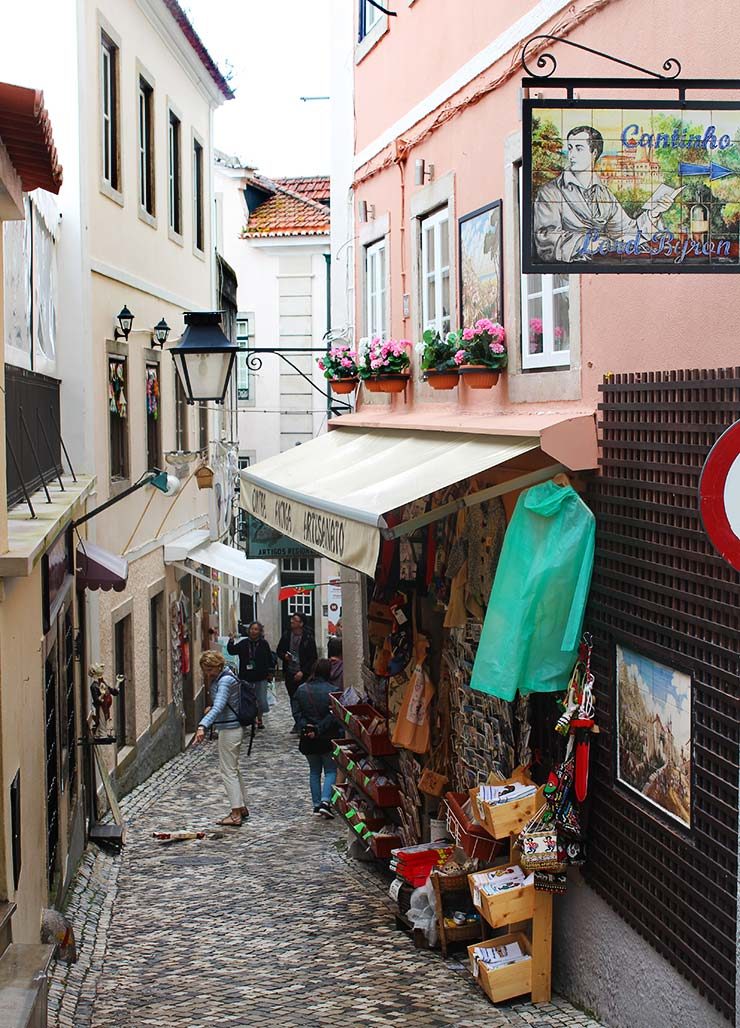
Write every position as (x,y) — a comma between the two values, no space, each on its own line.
(481,286)
(654,732)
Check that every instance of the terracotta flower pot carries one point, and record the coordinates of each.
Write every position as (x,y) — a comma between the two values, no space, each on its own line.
(442,379)
(343,385)
(386,383)
(479,376)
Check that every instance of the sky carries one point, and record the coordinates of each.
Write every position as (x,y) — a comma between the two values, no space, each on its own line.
(276,52)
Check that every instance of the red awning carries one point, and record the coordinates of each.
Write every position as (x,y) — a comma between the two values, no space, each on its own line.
(25,130)
(99,569)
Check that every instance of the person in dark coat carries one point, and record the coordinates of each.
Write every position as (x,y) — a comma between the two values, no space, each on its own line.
(318,726)
(297,650)
(255,663)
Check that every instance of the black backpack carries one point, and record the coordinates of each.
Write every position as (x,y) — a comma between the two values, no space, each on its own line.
(248,709)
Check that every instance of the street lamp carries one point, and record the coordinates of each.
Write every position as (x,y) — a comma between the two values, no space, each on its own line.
(204,357)
(161,331)
(125,320)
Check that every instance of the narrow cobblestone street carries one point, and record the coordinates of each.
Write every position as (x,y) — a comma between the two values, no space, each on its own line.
(271,924)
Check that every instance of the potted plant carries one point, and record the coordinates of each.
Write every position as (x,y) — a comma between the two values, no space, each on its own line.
(384,366)
(438,359)
(485,353)
(339,365)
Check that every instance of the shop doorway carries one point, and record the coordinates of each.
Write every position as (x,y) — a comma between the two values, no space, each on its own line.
(60,735)
(297,571)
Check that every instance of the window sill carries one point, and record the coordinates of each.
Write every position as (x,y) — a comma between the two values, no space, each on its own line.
(373,37)
(176,237)
(147,218)
(113,194)
(539,385)
(200,254)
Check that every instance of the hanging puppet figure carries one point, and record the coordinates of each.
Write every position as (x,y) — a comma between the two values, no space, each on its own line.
(102,698)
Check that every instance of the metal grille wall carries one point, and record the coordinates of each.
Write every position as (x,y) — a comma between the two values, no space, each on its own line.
(660,588)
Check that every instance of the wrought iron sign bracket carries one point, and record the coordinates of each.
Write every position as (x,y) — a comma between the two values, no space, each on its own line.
(541,71)
(254,363)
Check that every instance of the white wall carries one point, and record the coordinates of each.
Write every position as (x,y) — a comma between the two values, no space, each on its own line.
(342,147)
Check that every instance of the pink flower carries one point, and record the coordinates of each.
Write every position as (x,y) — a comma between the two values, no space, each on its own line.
(535,326)
(497,333)
(497,348)
(558,332)
(459,357)
(375,364)
(321,365)
(468,334)
(346,363)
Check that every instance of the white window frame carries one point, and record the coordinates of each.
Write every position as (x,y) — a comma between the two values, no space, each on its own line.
(376,290)
(431,225)
(174,174)
(242,370)
(145,130)
(110,130)
(372,17)
(550,357)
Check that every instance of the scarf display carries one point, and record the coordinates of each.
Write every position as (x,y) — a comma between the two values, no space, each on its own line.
(116,381)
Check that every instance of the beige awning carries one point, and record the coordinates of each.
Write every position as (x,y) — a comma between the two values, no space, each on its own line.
(189,551)
(331,494)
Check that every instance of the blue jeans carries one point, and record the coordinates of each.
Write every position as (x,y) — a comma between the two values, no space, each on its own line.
(318,762)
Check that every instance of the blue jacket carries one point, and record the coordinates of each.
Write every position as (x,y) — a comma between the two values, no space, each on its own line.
(310,705)
(224,702)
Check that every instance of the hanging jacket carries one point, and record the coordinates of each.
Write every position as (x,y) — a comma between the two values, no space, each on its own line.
(529,641)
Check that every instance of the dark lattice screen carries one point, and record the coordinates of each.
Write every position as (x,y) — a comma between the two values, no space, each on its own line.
(660,588)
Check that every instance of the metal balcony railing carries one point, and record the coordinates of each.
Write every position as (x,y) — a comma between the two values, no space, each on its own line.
(32,440)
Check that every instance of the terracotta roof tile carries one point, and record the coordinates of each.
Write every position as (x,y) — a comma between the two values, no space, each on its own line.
(285,213)
(315,187)
(25,129)
(197,44)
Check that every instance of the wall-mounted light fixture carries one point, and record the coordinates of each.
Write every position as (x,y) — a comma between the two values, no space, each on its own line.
(125,321)
(204,357)
(423,171)
(365,211)
(160,332)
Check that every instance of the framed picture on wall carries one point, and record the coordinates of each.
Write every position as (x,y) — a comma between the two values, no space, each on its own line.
(481,265)
(654,732)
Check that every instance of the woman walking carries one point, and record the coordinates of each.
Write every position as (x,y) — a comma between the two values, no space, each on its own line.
(297,650)
(223,686)
(317,727)
(255,663)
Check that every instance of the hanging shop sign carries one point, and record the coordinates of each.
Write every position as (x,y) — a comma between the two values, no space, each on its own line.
(620,186)
(266,542)
(719,495)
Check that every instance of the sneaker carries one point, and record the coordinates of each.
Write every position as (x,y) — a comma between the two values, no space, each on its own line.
(317,811)
(325,810)
(294,730)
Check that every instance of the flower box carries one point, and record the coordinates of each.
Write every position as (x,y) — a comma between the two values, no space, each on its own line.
(441,379)
(386,383)
(479,376)
(342,386)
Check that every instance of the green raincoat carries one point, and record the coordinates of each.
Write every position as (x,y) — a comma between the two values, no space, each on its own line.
(534,619)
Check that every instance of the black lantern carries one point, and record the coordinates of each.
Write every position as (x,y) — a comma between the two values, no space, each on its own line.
(204,357)
(161,331)
(125,320)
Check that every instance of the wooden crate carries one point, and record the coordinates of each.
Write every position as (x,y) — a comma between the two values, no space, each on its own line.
(505,908)
(503,983)
(506,819)
(356,719)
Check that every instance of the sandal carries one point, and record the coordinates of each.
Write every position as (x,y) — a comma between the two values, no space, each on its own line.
(231,822)
(245,813)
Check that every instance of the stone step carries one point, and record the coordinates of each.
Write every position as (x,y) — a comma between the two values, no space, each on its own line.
(24,985)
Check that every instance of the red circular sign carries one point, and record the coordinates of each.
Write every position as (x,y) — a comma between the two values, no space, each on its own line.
(719,495)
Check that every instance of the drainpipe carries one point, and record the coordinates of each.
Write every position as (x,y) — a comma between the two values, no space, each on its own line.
(327,260)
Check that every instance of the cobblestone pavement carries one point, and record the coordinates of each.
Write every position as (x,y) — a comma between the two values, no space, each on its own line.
(270,925)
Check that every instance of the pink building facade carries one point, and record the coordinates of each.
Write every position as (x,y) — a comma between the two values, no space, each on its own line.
(646,936)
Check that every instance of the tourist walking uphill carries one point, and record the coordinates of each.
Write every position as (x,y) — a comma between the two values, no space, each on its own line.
(224,691)
(317,727)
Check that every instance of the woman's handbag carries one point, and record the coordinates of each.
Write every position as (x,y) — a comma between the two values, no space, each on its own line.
(313,744)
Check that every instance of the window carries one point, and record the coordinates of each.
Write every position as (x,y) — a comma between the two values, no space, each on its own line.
(181,416)
(174,175)
(146,146)
(375,289)
(121,659)
(153,418)
(545,318)
(203,427)
(242,522)
(435,271)
(198,228)
(242,370)
(117,418)
(109,111)
(369,16)
(157,665)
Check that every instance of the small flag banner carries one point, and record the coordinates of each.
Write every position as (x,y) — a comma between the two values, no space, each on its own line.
(288,591)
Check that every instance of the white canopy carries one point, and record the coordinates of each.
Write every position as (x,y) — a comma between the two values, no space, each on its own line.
(254,576)
(332,493)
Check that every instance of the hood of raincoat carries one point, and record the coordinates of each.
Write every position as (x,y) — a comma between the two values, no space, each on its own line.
(547,499)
